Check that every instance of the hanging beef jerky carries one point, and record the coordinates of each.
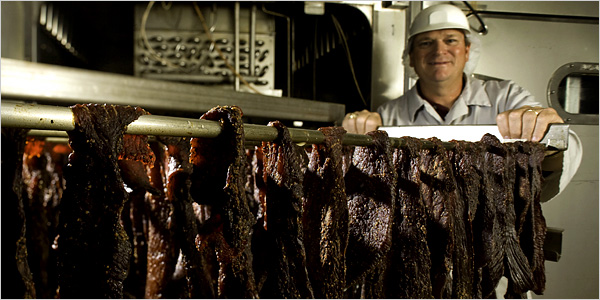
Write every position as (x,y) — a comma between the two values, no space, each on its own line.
(371,191)
(42,175)
(162,248)
(16,274)
(325,216)
(287,276)
(261,244)
(489,253)
(408,274)
(531,225)
(516,266)
(37,179)
(372,286)
(466,159)
(218,181)
(174,227)
(93,248)
(439,194)
(133,161)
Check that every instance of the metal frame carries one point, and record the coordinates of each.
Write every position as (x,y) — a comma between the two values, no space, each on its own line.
(560,74)
(56,118)
(68,86)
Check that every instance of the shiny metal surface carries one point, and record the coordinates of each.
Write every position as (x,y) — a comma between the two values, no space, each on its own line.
(557,136)
(47,117)
(67,86)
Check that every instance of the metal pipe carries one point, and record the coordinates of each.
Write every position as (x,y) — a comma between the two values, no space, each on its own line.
(252,46)
(236,45)
(46,117)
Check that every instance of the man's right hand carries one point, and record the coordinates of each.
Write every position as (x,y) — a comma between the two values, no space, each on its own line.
(361,122)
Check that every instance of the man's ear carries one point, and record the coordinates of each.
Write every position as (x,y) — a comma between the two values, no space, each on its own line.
(410,59)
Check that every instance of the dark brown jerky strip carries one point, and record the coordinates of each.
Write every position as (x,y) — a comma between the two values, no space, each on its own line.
(16,274)
(162,247)
(287,275)
(408,274)
(533,226)
(42,174)
(218,181)
(516,266)
(133,161)
(93,248)
(523,197)
(466,159)
(371,191)
(261,243)
(489,253)
(325,216)
(176,221)
(439,194)
(37,177)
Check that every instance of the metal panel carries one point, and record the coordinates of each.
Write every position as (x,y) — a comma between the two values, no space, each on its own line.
(54,84)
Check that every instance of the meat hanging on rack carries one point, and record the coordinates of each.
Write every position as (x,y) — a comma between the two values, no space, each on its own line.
(218,180)
(408,274)
(44,184)
(16,274)
(93,248)
(466,161)
(370,189)
(325,216)
(207,218)
(283,248)
(438,189)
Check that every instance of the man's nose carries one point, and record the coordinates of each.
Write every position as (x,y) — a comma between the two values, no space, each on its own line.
(439,46)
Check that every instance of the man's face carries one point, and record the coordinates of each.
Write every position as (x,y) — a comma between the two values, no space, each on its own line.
(439,55)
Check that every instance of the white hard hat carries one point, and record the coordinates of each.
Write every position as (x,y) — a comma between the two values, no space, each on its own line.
(436,17)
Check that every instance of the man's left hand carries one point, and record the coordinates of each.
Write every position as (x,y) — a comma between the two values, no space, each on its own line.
(527,122)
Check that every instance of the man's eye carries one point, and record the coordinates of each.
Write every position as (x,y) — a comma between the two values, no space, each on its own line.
(452,41)
(423,44)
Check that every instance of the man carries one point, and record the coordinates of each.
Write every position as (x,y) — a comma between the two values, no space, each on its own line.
(441,52)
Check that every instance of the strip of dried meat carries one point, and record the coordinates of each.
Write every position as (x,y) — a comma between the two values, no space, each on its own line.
(439,194)
(325,216)
(218,181)
(408,274)
(16,274)
(531,224)
(162,247)
(371,191)
(466,159)
(37,177)
(133,161)
(287,276)
(93,248)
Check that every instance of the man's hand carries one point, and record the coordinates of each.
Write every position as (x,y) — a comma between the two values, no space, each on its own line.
(361,122)
(527,122)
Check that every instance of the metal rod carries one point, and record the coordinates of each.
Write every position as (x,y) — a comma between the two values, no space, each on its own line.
(56,118)
(252,46)
(236,44)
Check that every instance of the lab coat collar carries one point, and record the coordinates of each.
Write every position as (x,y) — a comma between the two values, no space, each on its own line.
(472,94)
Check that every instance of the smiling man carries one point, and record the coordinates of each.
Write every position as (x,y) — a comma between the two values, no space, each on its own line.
(440,54)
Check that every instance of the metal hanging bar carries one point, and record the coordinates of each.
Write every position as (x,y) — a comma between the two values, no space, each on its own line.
(56,118)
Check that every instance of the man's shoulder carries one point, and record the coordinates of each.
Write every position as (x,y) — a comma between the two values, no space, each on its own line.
(486,82)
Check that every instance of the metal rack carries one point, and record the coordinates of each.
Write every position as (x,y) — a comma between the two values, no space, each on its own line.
(59,85)
(56,118)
